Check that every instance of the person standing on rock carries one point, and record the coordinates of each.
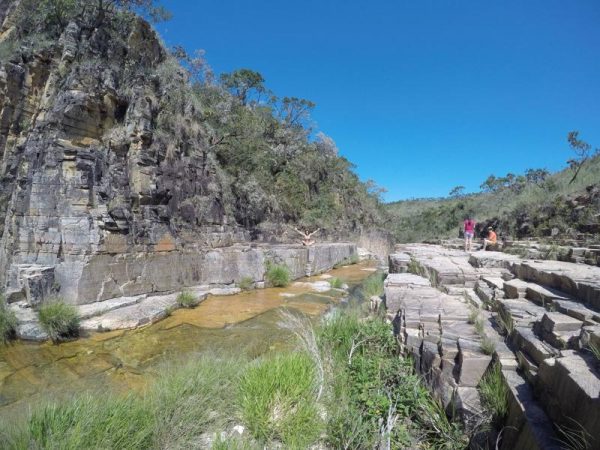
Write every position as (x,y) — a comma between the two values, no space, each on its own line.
(491,239)
(469,229)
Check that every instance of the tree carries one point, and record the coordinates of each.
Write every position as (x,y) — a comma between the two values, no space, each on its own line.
(242,82)
(583,152)
(294,111)
(490,184)
(457,192)
(536,176)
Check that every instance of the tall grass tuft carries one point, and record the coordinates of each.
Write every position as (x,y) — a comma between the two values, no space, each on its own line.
(278,275)
(336,283)
(187,300)
(59,319)
(373,285)
(8,322)
(278,402)
(494,392)
(246,283)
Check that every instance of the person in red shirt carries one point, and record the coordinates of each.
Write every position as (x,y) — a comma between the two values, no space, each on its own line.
(491,239)
(469,229)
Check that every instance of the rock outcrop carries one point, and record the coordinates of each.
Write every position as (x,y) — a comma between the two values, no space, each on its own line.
(109,184)
(543,318)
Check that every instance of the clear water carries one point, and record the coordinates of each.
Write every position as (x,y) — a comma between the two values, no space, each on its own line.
(126,360)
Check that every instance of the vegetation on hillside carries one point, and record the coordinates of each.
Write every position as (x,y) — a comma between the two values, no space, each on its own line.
(271,165)
(532,204)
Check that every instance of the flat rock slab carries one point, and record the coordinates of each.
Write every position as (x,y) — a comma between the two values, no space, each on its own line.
(443,266)
(493,259)
(98,308)
(577,280)
(149,310)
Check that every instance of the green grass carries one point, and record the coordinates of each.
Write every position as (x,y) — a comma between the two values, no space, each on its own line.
(595,350)
(246,283)
(336,283)
(277,397)
(186,400)
(8,322)
(494,392)
(187,300)
(370,384)
(278,275)
(59,319)
(373,285)
(488,345)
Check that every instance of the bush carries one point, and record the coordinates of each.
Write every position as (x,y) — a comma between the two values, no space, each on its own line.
(335,283)
(187,300)
(494,392)
(246,283)
(59,320)
(8,322)
(278,275)
(278,400)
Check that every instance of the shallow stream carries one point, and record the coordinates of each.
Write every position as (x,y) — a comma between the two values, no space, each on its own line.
(125,360)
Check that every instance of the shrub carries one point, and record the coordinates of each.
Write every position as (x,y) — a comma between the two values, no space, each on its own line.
(59,319)
(8,322)
(277,400)
(278,275)
(246,283)
(335,283)
(187,300)
(494,392)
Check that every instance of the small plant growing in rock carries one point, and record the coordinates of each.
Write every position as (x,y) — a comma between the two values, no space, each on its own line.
(8,322)
(60,320)
(187,300)
(595,349)
(278,275)
(488,345)
(336,283)
(473,315)
(373,286)
(246,283)
(494,392)
(479,325)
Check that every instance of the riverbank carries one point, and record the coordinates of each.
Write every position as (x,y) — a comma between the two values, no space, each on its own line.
(338,384)
(126,360)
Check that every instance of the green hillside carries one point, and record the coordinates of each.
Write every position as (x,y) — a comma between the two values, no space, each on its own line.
(525,208)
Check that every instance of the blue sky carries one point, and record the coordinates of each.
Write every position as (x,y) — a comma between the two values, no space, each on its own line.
(421,95)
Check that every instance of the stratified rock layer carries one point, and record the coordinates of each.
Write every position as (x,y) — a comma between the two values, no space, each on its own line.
(549,315)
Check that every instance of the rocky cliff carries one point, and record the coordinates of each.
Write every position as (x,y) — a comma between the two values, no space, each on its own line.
(108,171)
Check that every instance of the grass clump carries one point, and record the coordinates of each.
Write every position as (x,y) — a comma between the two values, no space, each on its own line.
(278,275)
(374,397)
(186,401)
(336,283)
(373,285)
(246,283)
(278,400)
(494,392)
(59,319)
(8,322)
(187,300)
(488,345)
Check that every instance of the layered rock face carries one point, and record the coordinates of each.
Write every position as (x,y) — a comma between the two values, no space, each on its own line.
(537,321)
(97,200)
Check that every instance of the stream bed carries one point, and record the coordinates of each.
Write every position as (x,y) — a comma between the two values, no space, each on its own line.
(125,360)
